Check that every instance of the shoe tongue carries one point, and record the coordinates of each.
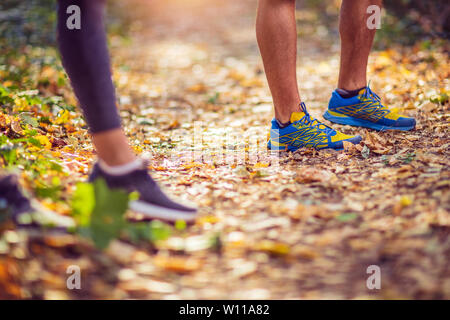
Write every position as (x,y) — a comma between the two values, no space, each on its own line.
(296,116)
(362,91)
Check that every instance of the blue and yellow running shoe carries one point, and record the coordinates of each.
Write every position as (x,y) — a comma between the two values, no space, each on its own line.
(306,132)
(365,110)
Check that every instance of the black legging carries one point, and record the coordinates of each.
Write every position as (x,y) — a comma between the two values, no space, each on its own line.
(85,57)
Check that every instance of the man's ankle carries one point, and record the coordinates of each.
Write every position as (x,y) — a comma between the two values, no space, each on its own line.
(348,93)
(283,124)
(118,170)
(284,117)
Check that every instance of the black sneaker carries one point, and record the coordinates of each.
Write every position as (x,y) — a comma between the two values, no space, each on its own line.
(26,213)
(152,202)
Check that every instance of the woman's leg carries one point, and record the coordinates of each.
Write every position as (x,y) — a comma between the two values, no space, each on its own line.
(85,57)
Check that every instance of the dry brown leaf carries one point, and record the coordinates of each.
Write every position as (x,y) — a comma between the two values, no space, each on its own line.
(309,174)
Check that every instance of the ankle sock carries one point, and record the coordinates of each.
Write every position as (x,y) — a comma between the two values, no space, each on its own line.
(283,125)
(122,169)
(348,93)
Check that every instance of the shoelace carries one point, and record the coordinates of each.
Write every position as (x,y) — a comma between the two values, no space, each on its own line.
(307,119)
(369,94)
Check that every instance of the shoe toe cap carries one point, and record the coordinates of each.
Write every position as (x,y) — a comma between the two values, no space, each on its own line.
(355,140)
(405,122)
(340,144)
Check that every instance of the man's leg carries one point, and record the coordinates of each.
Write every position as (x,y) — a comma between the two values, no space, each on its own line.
(85,57)
(276,33)
(356,43)
(354,103)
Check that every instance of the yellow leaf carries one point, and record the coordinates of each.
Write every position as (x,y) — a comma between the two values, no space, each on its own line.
(236,75)
(177,264)
(63,117)
(273,247)
(207,219)
(405,201)
(43,140)
(260,165)
(198,88)
(254,82)
(137,149)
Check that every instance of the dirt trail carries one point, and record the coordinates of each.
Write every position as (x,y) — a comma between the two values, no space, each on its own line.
(312,228)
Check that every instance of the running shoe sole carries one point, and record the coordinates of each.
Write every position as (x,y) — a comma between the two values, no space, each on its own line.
(354,140)
(152,211)
(351,121)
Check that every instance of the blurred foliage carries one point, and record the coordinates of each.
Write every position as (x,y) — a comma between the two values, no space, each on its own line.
(33,22)
(407,21)
(404,22)
(121,21)
(100,215)
(432,17)
(27,22)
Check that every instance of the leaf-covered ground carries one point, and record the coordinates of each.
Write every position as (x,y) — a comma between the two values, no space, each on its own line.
(192,92)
